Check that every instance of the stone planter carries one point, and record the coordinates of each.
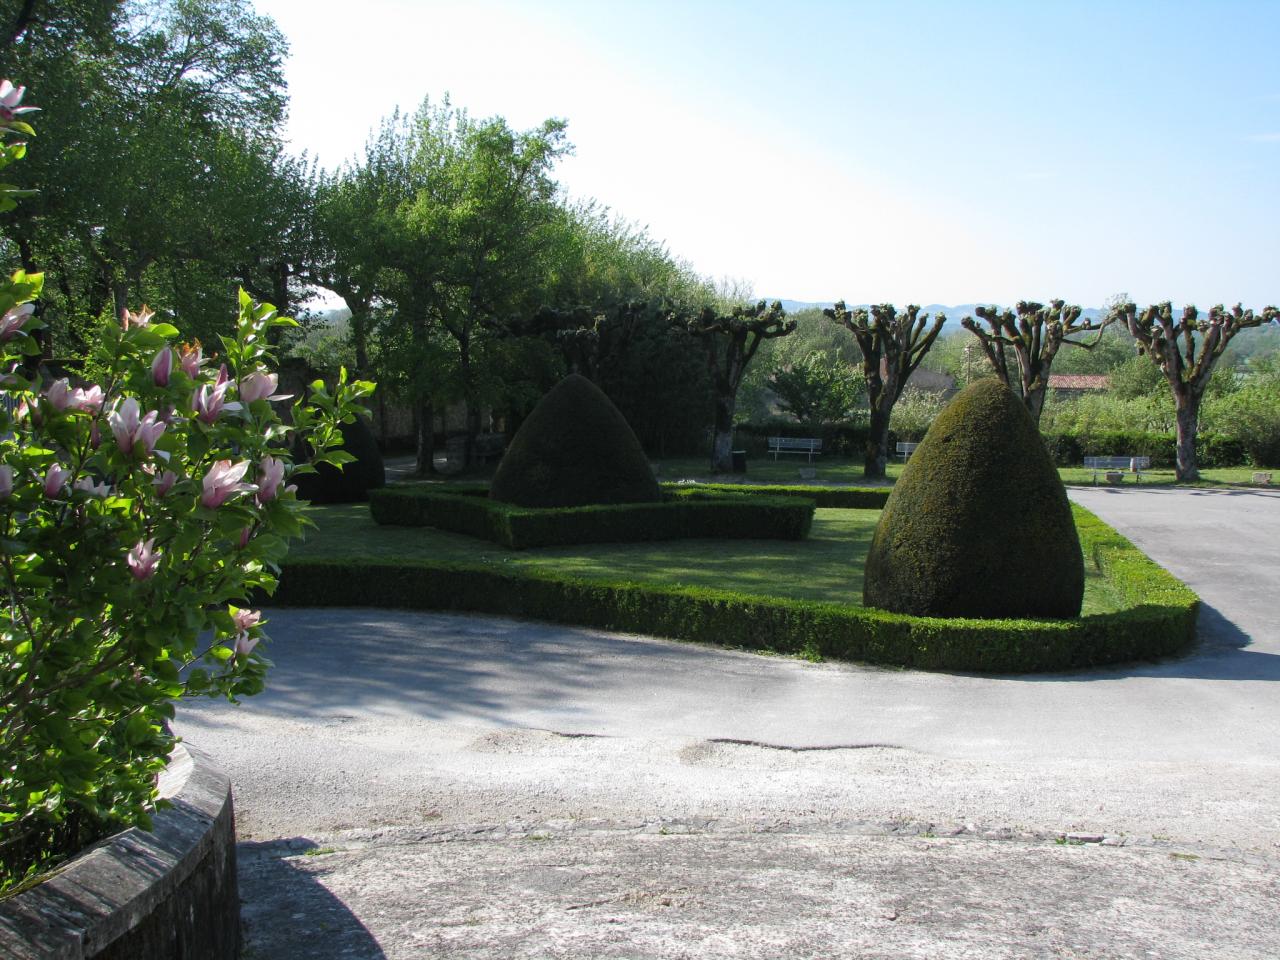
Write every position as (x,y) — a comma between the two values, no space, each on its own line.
(170,893)
(1115,476)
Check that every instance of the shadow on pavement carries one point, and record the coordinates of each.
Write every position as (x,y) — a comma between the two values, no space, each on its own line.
(1221,653)
(286,911)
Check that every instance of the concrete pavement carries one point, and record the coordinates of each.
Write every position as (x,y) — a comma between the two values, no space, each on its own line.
(381,733)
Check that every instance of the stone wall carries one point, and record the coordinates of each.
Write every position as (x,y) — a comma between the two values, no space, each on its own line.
(170,893)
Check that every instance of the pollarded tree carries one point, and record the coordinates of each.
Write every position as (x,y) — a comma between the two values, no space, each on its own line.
(1034,333)
(892,345)
(731,340)
(1186,351)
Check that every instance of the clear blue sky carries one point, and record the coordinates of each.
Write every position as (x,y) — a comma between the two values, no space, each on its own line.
(924,152)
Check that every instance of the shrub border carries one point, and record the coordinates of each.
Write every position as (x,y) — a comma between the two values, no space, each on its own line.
(687,511)
(1161,623)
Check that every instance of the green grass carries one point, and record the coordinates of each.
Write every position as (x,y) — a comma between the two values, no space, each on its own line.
(1209,477)
(825,566)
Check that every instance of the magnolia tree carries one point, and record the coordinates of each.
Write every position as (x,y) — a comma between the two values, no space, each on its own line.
(141,512)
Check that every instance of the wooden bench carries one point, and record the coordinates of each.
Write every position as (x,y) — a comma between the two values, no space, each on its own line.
(812,446)
(1114,465)
(905,450)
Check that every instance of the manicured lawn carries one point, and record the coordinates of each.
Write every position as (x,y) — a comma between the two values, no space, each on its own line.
(1210,477)
(826,566)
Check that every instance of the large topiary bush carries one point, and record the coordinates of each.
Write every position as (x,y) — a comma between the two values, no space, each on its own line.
(574,449)
(979,524)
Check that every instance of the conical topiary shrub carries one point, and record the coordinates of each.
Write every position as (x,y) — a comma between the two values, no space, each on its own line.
(574,449)
(978,525)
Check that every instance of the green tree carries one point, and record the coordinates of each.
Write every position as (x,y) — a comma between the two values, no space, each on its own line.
(892,346)
(151,169)
(817,388)
(1186,351)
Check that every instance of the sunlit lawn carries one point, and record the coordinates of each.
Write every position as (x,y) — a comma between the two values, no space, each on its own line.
(826,566)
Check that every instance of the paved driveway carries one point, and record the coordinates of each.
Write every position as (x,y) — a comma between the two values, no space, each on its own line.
(398,735)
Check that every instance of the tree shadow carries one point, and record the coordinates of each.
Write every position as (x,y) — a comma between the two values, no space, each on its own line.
(286,911)
(333,664)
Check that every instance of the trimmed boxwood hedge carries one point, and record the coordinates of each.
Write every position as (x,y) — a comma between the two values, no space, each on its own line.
(682,514)
(1160,622)
(849,498)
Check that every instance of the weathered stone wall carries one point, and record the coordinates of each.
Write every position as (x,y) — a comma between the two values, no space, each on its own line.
(165,895)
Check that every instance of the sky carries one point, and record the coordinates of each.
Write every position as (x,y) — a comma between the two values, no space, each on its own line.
(872,152)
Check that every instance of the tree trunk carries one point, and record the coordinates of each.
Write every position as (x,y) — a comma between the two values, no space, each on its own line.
(1188,413)
(426,444)
(877,456)
(722,440)
(1033,397)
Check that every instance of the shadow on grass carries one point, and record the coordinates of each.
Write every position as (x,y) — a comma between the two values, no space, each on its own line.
(287,913)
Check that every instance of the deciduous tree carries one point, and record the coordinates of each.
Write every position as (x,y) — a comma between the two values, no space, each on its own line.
(1186,351)
(731,339)
(892,345)
(1035,333)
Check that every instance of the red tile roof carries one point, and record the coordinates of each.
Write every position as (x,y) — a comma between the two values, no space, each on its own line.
(1078,381)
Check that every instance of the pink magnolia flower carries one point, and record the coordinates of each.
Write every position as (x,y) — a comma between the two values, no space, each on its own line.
(258,385)
(164,482)
(245,644)
(87,486)
(143,559)
(140,319)
(246,534)
(133,433)
(55,480)
(13,319)
(270,476)
(191,357)
(162,367)
(59,394)
(88,400)
(222,482)
(10,97)
(209,401)
(245,620)
(6,480)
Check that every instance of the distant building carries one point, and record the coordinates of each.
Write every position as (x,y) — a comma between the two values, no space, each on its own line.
(1070,385)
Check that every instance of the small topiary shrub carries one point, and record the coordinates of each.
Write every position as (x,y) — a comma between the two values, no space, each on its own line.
(352,483)
(979,524)
(574,449)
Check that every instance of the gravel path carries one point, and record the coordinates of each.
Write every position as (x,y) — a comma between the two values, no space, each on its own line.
(467,753)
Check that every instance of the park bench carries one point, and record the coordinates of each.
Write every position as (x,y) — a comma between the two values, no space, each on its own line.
(905,450)
(807,445)
(1114,467)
